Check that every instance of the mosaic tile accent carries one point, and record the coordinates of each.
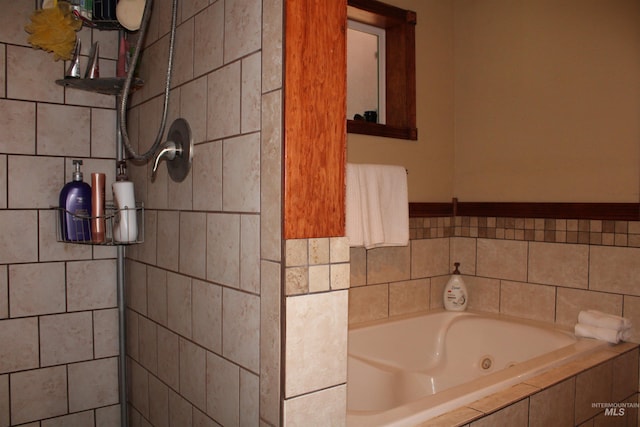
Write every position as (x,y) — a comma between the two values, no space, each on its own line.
(580,231)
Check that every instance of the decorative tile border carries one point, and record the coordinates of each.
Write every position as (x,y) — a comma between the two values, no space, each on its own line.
(580,231)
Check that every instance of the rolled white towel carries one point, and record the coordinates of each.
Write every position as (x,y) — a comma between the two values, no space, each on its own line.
(604,334)
(603,320)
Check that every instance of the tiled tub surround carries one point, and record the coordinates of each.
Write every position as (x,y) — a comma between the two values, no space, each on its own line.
(568,395)
(537,269)
(58,314)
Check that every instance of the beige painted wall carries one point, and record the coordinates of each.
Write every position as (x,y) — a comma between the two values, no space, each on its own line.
(544,106)
(430,158)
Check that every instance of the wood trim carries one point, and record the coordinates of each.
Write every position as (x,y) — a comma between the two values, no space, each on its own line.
(376,129)
(597,211)
(314,124)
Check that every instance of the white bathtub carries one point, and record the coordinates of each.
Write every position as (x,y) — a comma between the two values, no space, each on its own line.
(404,371)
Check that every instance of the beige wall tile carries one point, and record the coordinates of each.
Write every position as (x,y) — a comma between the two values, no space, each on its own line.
(4,400)
(158,402)
(270,176)
(559,264)
(192,369)
(103,138)
(242,30)
(614,269)
(326,407)
(593,385)
(208,40)
(297,252)
(148,344)
(13,29)
(18,123)
(316,337)
(241,328)
(390,264)
(168,358)
(571,301)
(180,410)
(183,53)
(409,297)
(23,353)
(70,140)
(553,406)
(136,279)
(358,269)
(207,315)
(3,181)
(179,304)
(34,182)
(29,75)
(319,278)
(50,248)
(296,280)
(108,416)
(105,333)
(484,293)
(93,384)
(36,289)
(249,398)
(66,338)
(168,255)
(502,259)
(3,76)
(369,302)
(223,87)
(340,276)
(193,108)
(193,243)
(223,390)
(339,249)
(270,338)
(513,416)
(157,295)
(91,284)
(223,248)
(180,194)
(437,291)
(241,173)
(139,388)
(430,257)
(4,290)
(19,240)
(318,251)
(516,297)
(463,250)
(632,312)
(250,103)
(30,388)
(625,375)
(250,253)
(207,177)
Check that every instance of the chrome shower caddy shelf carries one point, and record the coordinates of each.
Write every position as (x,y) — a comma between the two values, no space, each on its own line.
(111,217)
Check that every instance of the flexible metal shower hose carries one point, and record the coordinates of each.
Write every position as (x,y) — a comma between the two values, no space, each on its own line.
(127,84)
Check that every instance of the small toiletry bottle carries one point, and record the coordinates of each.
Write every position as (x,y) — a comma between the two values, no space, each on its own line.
(455,292)
(75,200)
(97,207)
(125,227)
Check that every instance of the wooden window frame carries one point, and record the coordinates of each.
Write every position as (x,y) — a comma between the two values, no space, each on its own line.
(399,25)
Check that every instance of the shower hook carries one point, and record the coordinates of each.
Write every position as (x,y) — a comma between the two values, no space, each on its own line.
(177,151)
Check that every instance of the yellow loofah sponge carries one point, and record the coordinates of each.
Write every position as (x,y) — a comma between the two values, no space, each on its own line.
(54,30)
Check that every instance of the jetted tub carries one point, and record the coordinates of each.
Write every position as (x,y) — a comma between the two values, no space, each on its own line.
(404,371)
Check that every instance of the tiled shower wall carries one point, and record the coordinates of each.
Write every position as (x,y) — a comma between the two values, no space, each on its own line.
(538,269)
(204,288)
(58,315)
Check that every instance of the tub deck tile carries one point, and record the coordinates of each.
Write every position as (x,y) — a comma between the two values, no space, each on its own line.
(457,417)
(503,398)
(572,368)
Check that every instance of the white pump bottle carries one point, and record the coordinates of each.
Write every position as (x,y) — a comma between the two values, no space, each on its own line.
(455,292)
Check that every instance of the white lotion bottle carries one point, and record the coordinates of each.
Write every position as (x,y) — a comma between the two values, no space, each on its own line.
(125,227)
(455,292)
